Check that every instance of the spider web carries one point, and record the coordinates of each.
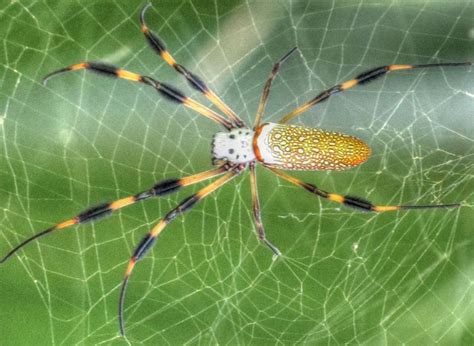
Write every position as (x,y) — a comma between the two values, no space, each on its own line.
(344,277)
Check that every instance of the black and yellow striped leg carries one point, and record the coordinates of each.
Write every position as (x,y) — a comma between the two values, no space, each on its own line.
(257,212)
(165,90)
(355,202)
(267,87)
(148,241)
(105,209)
(194,81)
(364,77)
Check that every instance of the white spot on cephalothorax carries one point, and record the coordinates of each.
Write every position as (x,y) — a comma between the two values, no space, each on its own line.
(234,146)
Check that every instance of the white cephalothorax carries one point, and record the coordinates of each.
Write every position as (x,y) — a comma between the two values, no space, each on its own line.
(234,146)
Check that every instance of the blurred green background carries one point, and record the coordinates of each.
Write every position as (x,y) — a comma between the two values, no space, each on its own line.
(345,276)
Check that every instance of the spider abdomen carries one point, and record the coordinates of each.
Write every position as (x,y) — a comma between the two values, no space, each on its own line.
(300,148)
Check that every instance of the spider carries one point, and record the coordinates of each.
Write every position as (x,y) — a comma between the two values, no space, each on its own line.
(276,146)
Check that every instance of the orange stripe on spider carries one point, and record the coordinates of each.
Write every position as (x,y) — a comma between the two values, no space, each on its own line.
(399,67)
(131,264)
(256,149)
(79,66)
(66,223)
(386,208)
(122,203)
(128,75)
(349,84)
(336,198)
(168,58)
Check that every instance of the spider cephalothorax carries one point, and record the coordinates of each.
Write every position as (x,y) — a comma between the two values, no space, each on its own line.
(234,146)
(276,145)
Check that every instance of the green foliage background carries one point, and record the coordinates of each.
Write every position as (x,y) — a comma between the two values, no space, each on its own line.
(345,277)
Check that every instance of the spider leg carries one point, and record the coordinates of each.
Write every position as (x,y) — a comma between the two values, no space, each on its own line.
(149,239)
(267,87)
(194,81)
(354,202)
(165,90)
(105,209)
(364,77)
(257,213)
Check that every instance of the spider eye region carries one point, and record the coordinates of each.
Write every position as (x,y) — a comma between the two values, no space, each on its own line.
(234,146)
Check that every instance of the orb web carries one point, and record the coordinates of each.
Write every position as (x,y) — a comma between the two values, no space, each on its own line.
(344,277)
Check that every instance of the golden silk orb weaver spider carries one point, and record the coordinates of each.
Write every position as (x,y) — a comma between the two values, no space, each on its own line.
(276,146)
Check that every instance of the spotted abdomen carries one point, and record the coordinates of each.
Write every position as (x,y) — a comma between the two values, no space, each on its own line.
(300,148)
